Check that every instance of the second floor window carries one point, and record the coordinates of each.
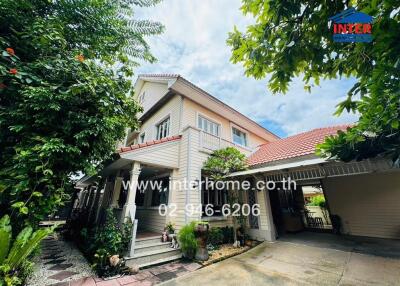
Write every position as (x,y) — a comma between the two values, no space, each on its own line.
(239,137)
(141,98)
(142,137)
(208,126)
(163,129)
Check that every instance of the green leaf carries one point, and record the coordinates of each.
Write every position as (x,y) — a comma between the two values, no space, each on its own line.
(23,210)
(17,205)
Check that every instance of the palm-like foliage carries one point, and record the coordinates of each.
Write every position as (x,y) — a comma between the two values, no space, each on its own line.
(25,242)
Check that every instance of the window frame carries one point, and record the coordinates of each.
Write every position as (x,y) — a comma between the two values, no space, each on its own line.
(206,118)
(168,129)
(246,136)
(141,97)
(142,140)
(217,198)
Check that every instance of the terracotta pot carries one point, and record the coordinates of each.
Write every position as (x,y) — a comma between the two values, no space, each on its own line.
(201,234)
(249,243)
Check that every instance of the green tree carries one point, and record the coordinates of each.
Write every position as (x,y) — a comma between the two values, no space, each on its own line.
(292,38)
(65,94)
(222,163)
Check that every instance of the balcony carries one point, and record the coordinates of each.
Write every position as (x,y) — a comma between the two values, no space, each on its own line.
(209,142)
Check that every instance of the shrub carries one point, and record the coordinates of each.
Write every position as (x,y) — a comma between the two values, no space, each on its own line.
(215,236)
(106,241)
(228,234)
(187,240)
(318,201)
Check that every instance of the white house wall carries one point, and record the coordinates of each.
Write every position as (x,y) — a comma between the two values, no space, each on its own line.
(153,92)
(367,204)
(192,110)
(172,108)
(163,155)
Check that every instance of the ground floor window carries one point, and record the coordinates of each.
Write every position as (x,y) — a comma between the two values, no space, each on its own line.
(212,198)
(160,190)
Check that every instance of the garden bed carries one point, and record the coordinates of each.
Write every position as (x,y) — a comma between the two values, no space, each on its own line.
(225,251)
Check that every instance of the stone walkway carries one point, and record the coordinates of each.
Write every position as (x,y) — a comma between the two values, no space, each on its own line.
(59,261)
(61,264)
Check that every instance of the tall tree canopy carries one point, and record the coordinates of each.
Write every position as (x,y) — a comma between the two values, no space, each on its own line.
(65,94)
(292,38)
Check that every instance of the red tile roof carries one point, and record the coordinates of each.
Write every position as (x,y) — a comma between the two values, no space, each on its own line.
(148,143)
(293,146)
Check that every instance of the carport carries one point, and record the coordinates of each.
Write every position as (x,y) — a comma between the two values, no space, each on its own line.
(362,198)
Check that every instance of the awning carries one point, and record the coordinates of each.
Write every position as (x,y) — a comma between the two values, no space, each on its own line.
(318,169)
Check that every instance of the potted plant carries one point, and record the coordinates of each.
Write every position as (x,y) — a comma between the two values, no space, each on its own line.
(187,240)
(201,234)
(170,229)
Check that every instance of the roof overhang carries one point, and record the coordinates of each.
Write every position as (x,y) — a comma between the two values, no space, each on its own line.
(318,168)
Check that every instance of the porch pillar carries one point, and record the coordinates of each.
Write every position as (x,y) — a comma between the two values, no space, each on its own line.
(116,192)
(173,189)
(100,203)
(271,232)
(133,185)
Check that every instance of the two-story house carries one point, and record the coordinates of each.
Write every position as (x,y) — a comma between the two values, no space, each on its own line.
(181,125)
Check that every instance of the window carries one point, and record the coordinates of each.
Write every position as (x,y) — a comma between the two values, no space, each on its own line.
(239,137)
(141,98)
(163,129)
(214,197)
(160,192)
(209,126)
(142,137)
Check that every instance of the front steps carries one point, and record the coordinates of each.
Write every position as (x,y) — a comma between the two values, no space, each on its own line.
(150,251)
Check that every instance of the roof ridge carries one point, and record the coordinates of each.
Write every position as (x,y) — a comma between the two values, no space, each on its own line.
(159,75)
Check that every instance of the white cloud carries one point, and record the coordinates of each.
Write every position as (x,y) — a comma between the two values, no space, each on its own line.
(194,45)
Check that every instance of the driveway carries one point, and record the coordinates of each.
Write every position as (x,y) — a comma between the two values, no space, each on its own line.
(319,259)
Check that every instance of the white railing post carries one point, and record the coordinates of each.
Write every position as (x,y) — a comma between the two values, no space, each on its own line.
(133,239)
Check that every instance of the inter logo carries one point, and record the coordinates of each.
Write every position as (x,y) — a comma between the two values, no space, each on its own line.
(352,26)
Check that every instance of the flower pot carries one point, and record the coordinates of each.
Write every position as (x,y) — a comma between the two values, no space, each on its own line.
(170,235)
(201,234)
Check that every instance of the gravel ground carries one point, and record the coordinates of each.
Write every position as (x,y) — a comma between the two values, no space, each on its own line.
(73,267)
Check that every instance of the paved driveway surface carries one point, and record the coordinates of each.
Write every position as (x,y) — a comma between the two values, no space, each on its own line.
(294,261)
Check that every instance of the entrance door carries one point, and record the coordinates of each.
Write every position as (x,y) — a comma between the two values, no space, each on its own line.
(286,207)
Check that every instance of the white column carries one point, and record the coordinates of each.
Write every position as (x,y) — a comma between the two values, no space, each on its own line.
(271,232)
(130,205)
(174,188)
(116,192)
(101,203)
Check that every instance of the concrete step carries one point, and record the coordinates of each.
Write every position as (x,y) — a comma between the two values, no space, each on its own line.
(153,257)
(147,240)
(148,247)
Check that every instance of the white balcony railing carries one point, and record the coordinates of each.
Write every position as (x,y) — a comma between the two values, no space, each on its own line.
(211,142)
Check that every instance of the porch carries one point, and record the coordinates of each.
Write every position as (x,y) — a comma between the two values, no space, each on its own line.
(135,190)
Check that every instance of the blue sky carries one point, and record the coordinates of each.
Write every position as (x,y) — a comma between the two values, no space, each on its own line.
(194,46)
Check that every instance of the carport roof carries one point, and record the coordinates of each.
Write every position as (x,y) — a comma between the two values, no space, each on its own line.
(293,146)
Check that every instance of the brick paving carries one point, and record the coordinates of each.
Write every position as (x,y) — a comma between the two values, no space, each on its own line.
(147,277)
